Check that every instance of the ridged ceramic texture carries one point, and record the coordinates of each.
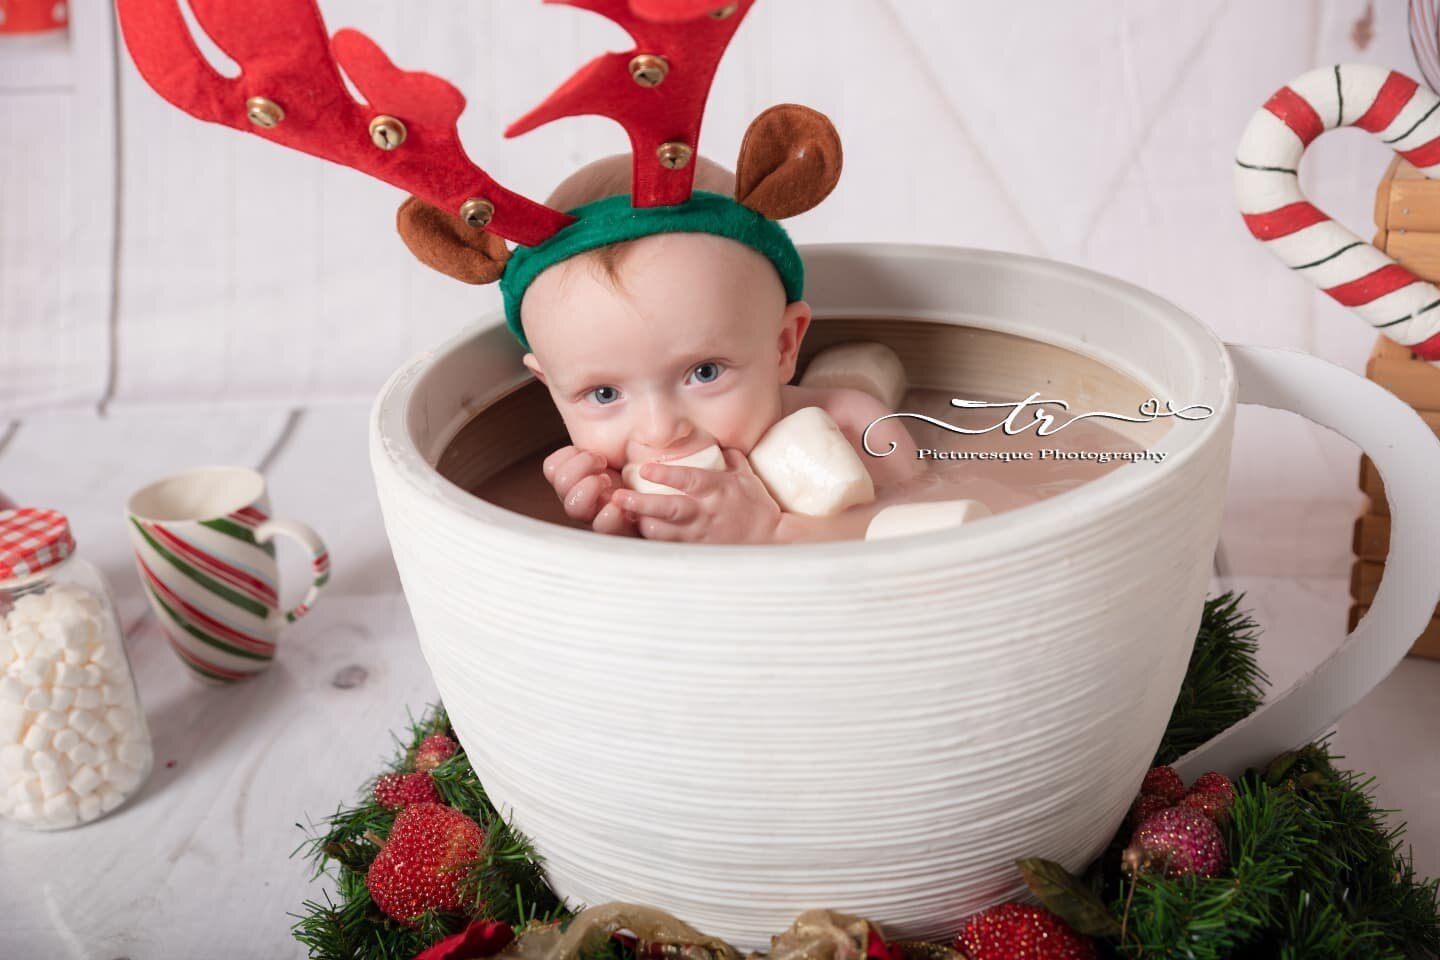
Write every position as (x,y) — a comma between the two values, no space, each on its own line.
(738,734)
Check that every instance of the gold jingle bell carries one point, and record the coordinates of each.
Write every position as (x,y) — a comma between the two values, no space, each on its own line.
(649,70)
(264,112)
(387,132)
(476,212)
(675,155)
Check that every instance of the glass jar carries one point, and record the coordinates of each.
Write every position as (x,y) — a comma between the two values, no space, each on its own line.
(74,743)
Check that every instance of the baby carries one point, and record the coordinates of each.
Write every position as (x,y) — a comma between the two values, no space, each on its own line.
(655,348)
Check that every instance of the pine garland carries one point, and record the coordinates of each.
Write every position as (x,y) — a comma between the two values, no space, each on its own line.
(1314,873)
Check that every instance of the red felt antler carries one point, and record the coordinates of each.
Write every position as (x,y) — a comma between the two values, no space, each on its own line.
(656,91)
(290,91)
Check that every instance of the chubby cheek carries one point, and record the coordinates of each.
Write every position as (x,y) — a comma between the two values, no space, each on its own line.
(745,418)
(605,439)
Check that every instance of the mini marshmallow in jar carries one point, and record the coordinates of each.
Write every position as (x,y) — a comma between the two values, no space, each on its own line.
(74,744)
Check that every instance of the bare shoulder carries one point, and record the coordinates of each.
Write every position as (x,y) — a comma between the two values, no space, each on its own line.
(852,410)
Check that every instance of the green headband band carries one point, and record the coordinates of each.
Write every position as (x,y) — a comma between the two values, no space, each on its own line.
(613,219)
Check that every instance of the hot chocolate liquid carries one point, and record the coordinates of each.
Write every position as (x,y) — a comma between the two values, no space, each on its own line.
(1026,468)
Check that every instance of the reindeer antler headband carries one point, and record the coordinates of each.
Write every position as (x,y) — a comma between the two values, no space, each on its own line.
(290,91)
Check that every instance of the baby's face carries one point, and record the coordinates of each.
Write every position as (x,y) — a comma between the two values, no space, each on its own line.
(689,349)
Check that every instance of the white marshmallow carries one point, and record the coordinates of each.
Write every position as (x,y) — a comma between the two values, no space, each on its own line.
(87,698)
(33,606)
(100,733)
(43,761)
(7,652)
(862,365)
(52,720)
(83,754)
(84,781)
(112,693)
(70,675)
(94,675)
(61,698)
(14,758)
(12,689)
(809,467)
(24,640)
(74,656)
(13,718)
(109,797)
(128,779)
(27,790)
(107,657)
(122,718)
(36,700)
(710,458)
(52,782)
(81,721)
(25,812)
(32,672)
(89,808)
(60,809)
(37,737)
(904,519)
(136,753)
(65,740)
(68,632)
(111,770)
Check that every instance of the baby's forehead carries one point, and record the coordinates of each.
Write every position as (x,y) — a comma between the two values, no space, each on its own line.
(717,275)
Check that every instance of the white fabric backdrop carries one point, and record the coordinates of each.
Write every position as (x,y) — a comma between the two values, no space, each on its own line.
(147,258)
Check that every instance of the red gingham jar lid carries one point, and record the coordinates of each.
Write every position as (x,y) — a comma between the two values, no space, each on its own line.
(32,540)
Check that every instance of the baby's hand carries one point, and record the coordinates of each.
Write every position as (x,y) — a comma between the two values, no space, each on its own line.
(584,483)
(713,506)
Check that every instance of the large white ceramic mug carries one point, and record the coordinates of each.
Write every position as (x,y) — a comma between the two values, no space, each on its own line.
(739,733)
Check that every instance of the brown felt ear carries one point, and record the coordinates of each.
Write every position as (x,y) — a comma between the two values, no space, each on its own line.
(789,161)
(445,242)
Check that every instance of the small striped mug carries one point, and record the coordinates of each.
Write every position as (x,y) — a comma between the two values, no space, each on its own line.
(202,545)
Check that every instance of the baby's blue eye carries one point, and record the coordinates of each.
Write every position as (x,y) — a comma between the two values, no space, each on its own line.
(604,395)
(707,372)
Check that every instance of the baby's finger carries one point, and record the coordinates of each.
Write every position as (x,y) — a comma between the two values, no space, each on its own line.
(737,462)
(658,506)
(611,519)
(553,462)
(688,479)
(577,468)
(587,496)
(653,529)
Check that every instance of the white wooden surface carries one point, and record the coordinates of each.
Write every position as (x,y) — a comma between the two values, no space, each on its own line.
(236,768)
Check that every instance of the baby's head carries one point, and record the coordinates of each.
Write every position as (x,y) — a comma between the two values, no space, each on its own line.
(657,347)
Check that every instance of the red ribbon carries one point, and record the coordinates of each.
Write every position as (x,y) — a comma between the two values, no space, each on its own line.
(483,938)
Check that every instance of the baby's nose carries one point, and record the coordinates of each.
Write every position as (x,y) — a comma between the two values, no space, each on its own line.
(662,426)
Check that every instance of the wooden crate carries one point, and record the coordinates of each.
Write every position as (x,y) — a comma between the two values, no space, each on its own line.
(1407,215)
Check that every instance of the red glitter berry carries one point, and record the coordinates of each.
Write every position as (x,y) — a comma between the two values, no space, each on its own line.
(1145,805)
(422,865)
(1163,782)
(433,751)
(1018,931)
(396,790)
(1213,782)
(1180,841)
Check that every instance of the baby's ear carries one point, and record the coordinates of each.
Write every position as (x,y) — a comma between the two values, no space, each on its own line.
(789,161)
(534,367)
(445,242)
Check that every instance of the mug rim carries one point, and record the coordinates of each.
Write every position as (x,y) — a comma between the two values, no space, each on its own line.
(394,444)
(255,487)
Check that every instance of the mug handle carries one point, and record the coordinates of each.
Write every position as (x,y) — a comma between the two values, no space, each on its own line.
(319,558)
(1407,454)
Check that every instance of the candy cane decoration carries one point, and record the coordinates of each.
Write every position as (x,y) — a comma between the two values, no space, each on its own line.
(1355,274)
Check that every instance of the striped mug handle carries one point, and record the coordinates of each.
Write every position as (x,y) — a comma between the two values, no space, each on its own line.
(319,558)
(1403,114)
